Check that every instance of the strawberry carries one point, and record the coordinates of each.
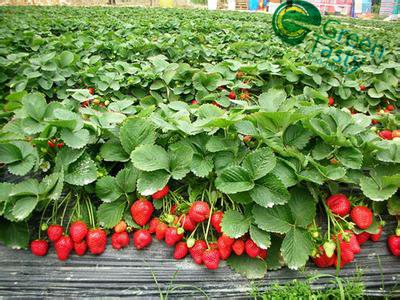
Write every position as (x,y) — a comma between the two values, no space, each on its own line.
(161,193)
(39,247)
(54,232)
(247,138)
(63,247)
(80,248)
(85,103)
(194,102)
(363,87)
(141,211)
(375,237)
(394,244)
(225,241)
(120,227)
(216,104)
(153,225)
(181,250)
(363,237)
(78,231)
(252,250)
(60,145)
(354,244)
(396,133)
(322,260)
(346,254)
(386,134)
(142,238)
(232,95)
(172,210)
(390,107)
(216,219)
(91,91)
(96,240)
(210,259)
(199,211)
(224,253)
(362,216)
(172,236)
(196,252)
(339,204)
(331,101)
(263,254)
(187,223)
(51,144)
(120,240)
(160,231)
(374,122)
(239,74)
(238,247)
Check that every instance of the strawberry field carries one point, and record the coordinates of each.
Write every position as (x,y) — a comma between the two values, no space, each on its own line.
(200,129)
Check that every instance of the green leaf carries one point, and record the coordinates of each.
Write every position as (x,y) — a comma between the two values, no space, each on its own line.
(23,207)
(66,58)
(276,219)
(135,132)
(295,136)
(27,187)
(389,152)
(220,143)
(302,206)
(126,179)
(373,190)
(109,214)
(234,224)
(113,152)
(248,267)
(259,162)
(285,173)
(272,100)
(269,191)
(9,153)
(233,180)
(350,157)
(48,183)
(5,191)
(75,139)
(14,235)
(150,182)
(22,167)
(260,237)
(81,172)
(150,158)
(202,166)
(393,206)
(273,259)
(181,155)
(35,105)
(296,247)
(107,189)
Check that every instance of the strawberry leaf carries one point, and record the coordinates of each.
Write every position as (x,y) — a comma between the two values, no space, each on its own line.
(233,180)
(234,224)
(296,247)
(250,268)
(135,132)
(150,158)
(260,237)
(109,214)
(259,162)
(276,219)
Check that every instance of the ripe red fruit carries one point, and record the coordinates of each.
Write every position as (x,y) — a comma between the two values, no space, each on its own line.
(196,252)
(172,236)
(346,254)
(322,260)
(85,103)
(375,237)
(363,87)
(91,91)
(252,250)
(172,210)
(141,211)
(60,145)
(54,232)
(386,135)
(153,225)
(161,193)
(394,244)
(194,102)
(232,95)
(390,107)
(80,248)
(120,240)
(96,240)
(363,237)
(331,101)
(339,204)
(238,247)
(78,231)
(210,259)
(160,231)
(181,250)
(142,238)
(225,241)
(63,247)
(224,253)
(354,244)
(51,144)
(216,219)
(362,216)
(39,247)
(199,211)
(187,223)
(263,254)
(120,227)
(247,138)
(374,122)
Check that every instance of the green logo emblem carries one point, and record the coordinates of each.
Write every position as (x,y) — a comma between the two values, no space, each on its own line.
(290,17)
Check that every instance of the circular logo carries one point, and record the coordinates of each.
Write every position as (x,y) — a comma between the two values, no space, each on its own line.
(291,18)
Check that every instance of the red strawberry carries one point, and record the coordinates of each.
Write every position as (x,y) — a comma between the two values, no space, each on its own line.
(362,216)
(339,204)
(78,231)
(120,227)
(386,134)
(363,237)
(390,107)
(172,236)
(322,260)
(263,254)
(96,240)
(354,244)
(172,210)
(142,238)
(153,225)
(394,244)
(375,237)
(60,145)
(194,102)
(63,247)
(363,87)
(225,241)
(247,138)
(232,95)
(346,254)
(216,219)
(85,103)
(196,252)
(141,211)
(374,122)
(160,231)
(161,193)
(54,232)
(91,91)
(51,144)
(199,211)
(252,250)
(238,247)
(331,101)
(181,250)
(210,259)
(80,248)
(120,240)
(39,247)
(187,223)
(224,253)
